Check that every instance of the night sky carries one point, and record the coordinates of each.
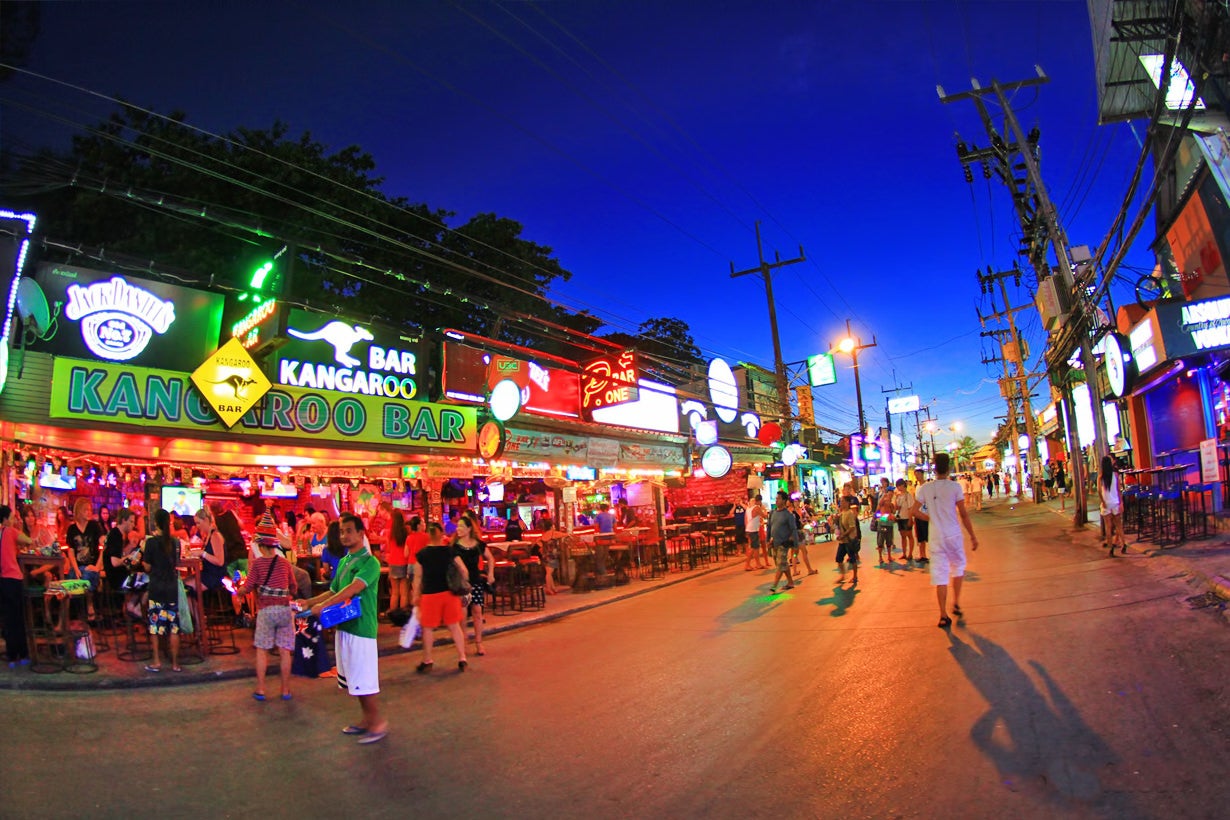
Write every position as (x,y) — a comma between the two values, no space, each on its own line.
(642,140)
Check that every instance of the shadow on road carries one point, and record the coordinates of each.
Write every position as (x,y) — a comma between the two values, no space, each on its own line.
(841,600)
(1040,744)
(749,610)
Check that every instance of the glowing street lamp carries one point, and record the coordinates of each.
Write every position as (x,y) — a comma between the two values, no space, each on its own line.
(851,346)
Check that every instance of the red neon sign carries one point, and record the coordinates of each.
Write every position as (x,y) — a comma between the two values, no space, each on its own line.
(609,381)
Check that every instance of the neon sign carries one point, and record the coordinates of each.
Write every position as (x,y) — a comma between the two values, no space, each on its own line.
(117,319)
(383,371)
(609,381)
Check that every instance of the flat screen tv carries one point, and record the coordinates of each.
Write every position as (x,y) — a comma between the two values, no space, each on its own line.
(181,500)
(279,490)
(57,481)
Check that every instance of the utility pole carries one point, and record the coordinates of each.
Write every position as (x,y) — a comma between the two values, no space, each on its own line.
(765,269)
(852,346)
(1013,353)
(1012,152)
(888,418)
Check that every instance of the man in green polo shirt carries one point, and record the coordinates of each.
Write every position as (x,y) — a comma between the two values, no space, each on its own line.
(358,671)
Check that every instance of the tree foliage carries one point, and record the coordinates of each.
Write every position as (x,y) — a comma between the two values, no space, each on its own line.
(668,343)
(152,188)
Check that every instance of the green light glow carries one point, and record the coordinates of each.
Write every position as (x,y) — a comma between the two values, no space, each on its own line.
(258,278)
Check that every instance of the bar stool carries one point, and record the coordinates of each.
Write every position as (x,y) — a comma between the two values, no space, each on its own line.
(44,640)
(219,616)
(80,652)
(1193,503)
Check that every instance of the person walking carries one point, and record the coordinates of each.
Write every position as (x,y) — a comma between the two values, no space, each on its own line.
(922,527)
(884,517)
(480,564)
(358,660)
(12,597)
(903,500)
(847,539)
(801,519)
(436,603)
(976,486)
(942,502)
(1112,506)
(1061,484)
(783,534)
(753,521)
(271,578)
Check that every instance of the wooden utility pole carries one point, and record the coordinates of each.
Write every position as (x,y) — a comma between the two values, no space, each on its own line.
(765,269)
(1014,157)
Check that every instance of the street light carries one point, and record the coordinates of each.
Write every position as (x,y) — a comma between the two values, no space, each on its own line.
(956,427)
(931,427)
(851,345)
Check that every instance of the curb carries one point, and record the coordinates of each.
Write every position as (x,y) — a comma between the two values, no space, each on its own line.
(63,682)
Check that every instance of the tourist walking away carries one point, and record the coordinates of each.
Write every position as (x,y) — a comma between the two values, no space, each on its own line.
(437,605)
(358,662)
(942,503)
(903,501)
(480,564)
(16,650)
(783,534)
(753,522)
(271,578)
(922,528)
(976,485)
(1112,506)
(1061,484)
(847,540)
(885,516)
(159,556)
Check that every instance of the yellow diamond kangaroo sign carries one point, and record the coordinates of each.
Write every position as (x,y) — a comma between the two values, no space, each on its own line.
(231,381)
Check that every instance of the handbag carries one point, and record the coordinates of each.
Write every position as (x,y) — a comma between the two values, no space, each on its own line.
(458,583)
(185,611)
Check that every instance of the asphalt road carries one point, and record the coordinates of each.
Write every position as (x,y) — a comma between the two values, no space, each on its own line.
(1076,686)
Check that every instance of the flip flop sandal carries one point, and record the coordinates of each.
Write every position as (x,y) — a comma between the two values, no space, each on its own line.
(288,696)
(945,622)
(354,730)
(153,669)
(956,610)
(258,696)
(373,737)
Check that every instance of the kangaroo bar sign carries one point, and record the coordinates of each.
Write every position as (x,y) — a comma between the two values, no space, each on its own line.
(118,394)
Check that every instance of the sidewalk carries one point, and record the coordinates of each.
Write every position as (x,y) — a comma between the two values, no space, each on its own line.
(115,674)
(1204,562)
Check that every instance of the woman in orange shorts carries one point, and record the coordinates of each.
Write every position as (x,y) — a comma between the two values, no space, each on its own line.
(438,606)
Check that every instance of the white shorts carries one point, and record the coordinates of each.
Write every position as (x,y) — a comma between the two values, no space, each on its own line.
(947,560)
(358,664)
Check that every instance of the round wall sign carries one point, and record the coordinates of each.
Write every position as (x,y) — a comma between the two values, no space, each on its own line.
(723,390)
(715,461)
(505,399)
(491,440)
(1118,365)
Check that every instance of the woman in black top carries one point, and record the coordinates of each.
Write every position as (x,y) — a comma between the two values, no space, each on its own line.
(83,536)
(432,598)
(473,553)
(160,555)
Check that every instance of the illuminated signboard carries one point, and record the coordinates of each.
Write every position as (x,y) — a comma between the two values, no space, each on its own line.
(1120,369)
(821,370)
(609,381)
(903,404)
(326,353)
(1195,326)
(231,381)
(657,408)
(120,318)
(263,329)
(105,392)
(1144,344)
(470,372)
(715,461)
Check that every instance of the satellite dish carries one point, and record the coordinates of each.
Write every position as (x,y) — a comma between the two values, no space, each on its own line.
(32,306)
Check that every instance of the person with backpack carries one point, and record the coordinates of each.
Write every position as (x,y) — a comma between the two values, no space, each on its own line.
(271,578)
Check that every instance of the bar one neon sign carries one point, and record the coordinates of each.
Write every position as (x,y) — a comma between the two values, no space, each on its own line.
(609,381)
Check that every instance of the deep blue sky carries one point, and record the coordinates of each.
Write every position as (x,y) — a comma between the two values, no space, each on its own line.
(641,140)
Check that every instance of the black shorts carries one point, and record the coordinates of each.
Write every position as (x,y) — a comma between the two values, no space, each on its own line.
(921,530)
(848,549)
(903,525)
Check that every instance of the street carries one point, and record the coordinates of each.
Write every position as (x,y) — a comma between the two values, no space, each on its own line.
(1076,685)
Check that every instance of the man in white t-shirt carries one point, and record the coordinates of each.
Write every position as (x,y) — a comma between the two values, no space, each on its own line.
(942,503)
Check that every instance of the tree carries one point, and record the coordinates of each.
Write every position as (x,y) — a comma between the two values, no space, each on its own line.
(151,187)
(668,345)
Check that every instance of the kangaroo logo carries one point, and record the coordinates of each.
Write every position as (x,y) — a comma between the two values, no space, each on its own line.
(237,383)
(341,336)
